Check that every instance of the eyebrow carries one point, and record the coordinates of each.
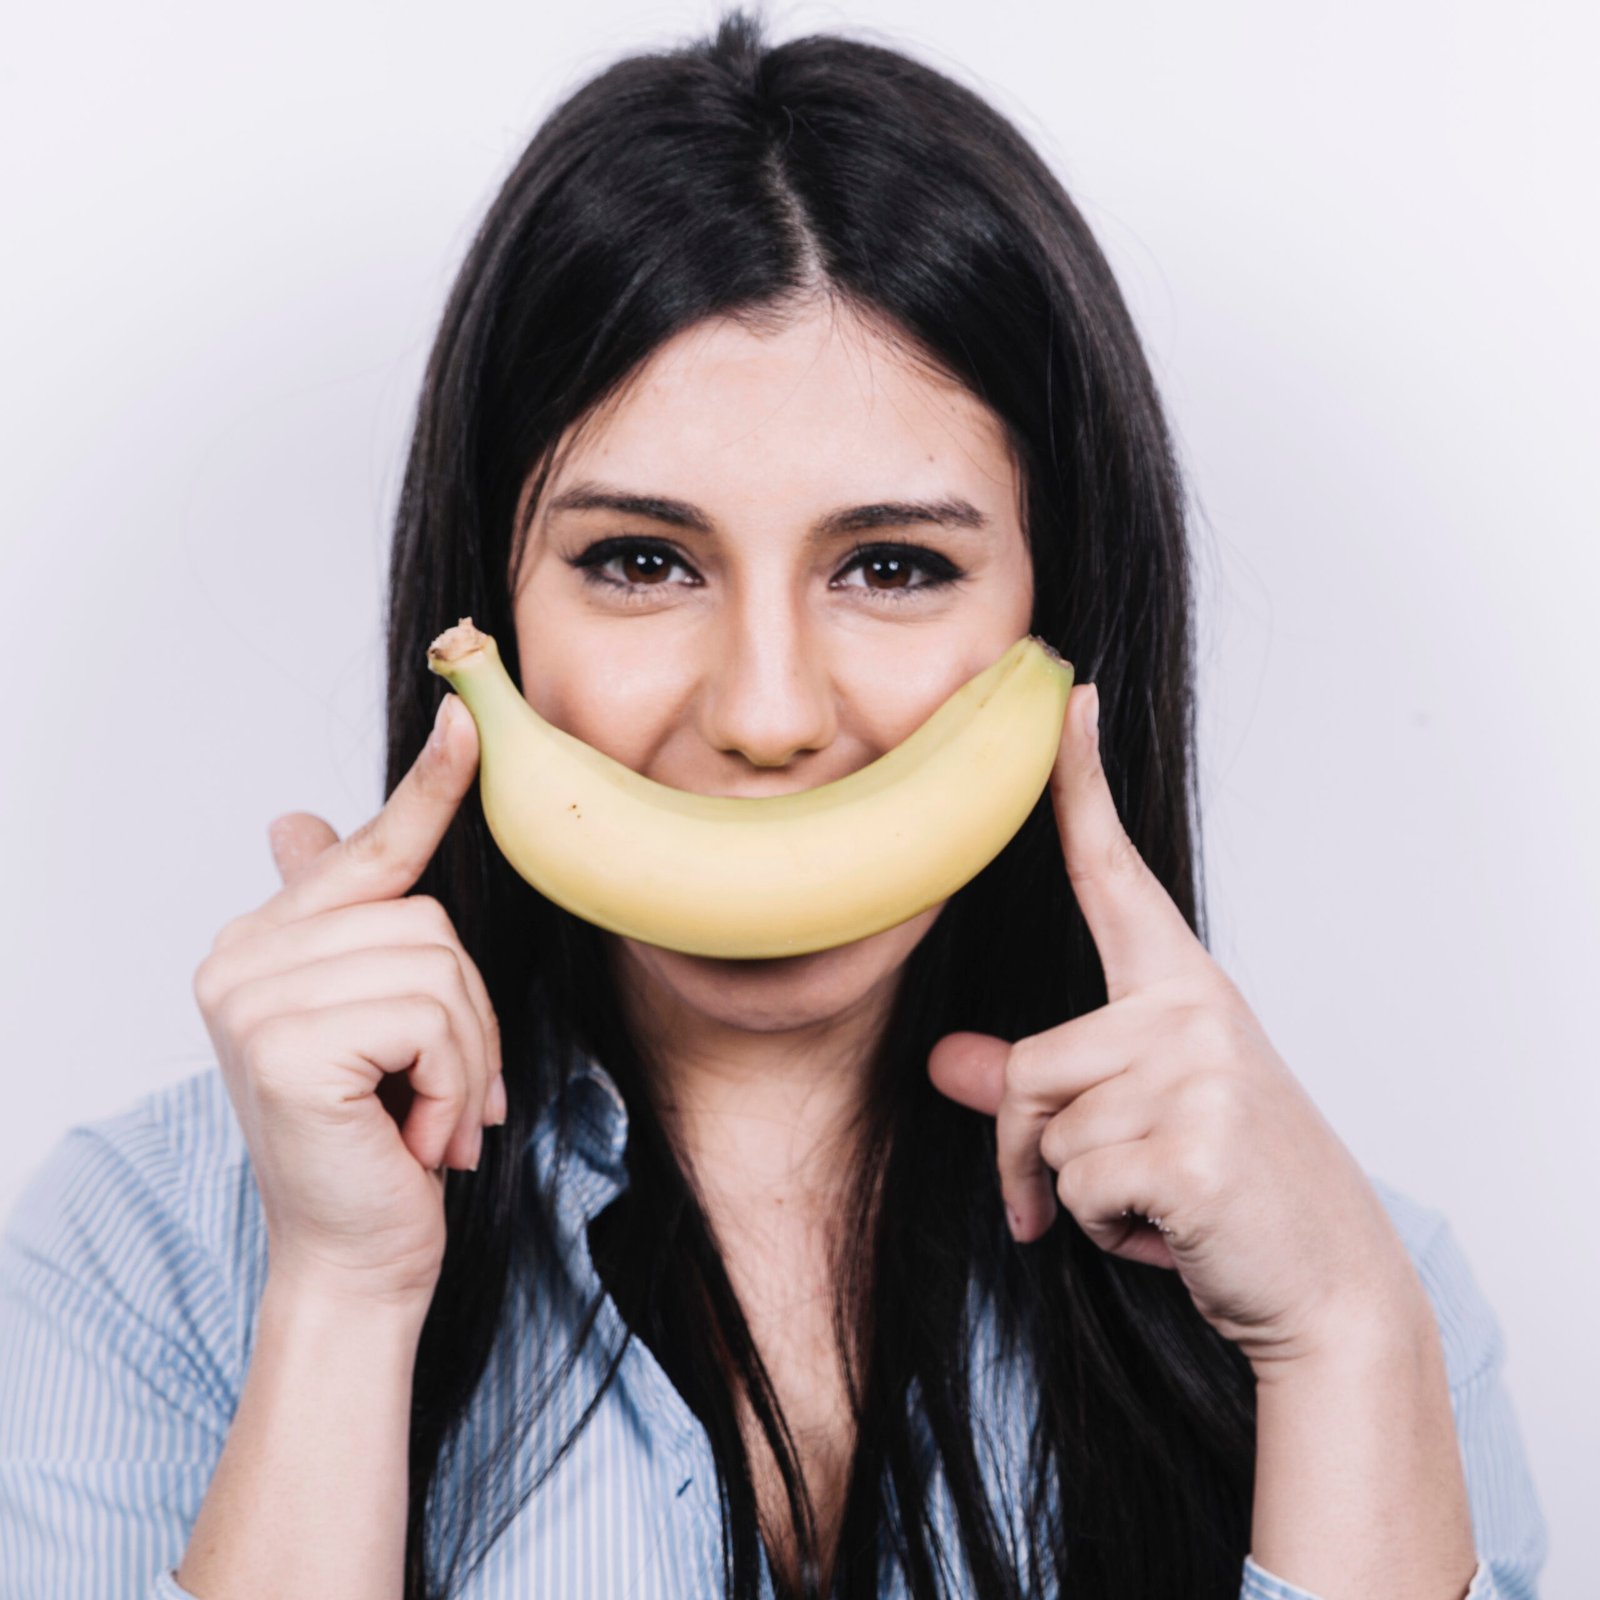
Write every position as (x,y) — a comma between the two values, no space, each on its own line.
(947,511)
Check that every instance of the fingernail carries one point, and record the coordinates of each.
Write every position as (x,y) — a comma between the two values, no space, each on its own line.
(1091,713)
(477,1151)
(1013,1221)
(496,1107)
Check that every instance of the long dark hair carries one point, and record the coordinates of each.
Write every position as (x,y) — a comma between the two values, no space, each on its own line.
(736,179)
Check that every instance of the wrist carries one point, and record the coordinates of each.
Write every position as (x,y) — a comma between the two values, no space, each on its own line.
(1356,1430)
(314,1300)
(1386,1320)
(308,1496)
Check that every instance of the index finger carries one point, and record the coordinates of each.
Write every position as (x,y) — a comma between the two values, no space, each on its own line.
(1140,933)
(1044,1074)
(386,855)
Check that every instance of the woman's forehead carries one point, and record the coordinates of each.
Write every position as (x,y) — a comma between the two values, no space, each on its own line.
(821,411)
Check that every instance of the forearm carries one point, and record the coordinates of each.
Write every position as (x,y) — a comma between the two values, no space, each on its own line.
(309,1495)
(1359,1486)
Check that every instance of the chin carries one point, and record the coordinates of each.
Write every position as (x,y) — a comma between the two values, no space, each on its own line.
(784,990)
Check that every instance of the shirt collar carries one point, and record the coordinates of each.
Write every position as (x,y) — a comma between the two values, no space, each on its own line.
(598,1112)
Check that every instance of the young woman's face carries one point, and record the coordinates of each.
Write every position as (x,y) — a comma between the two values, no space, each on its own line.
(728,639)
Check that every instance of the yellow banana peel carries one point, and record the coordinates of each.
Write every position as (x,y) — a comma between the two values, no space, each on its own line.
(775,875)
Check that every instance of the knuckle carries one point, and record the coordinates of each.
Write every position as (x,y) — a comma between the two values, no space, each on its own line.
(1208,1033)
(364,845)
(270,1047)
(437,1020)
(431,916)
(231,932)
(1072,1183)
(1110,861)
(1198,1169)
(1206,1098)
(1024,1071)
(1053,1144)
(207,985)
(1122,855)
(229,1020)
(445,963)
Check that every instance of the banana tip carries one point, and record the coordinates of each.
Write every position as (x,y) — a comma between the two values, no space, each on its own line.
(1050,650)
(456,643)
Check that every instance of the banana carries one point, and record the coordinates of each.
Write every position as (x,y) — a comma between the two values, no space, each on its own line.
(775,875)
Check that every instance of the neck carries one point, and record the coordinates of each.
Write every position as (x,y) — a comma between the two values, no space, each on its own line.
(769,1121)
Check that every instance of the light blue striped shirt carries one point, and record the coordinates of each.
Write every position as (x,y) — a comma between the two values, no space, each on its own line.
(131,1271)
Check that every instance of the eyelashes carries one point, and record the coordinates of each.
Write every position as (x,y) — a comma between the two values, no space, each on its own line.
(937,571)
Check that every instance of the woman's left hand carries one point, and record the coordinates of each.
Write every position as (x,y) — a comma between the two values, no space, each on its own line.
(1170,1104)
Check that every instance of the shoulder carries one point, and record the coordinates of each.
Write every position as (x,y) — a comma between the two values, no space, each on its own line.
(126,1273)
(174,1146)
(190,1121)
(150,1211)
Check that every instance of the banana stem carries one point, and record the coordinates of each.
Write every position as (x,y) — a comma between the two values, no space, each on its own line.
(455,644)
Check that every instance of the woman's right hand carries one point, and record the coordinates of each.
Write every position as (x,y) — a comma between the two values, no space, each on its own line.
(357,1041)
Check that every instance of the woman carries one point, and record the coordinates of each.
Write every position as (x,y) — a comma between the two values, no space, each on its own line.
(995,1254)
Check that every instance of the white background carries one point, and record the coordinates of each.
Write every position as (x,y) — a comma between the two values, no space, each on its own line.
(1359,243)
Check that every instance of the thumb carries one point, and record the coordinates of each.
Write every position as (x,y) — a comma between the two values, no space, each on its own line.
(971,1068)
(297,839)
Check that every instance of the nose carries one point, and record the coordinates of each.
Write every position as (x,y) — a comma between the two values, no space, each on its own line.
(769,693)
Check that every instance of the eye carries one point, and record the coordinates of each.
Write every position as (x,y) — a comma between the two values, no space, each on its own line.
(658,558)
(650,559)
(896,562)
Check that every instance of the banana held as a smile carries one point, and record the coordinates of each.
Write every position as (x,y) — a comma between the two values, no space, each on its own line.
(778,875)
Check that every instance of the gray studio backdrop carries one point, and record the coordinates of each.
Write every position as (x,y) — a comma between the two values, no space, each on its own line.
(1359,242)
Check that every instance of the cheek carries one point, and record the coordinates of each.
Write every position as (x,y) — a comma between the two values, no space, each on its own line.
(544,686)
(567,706)
(1022,588)
(559,681)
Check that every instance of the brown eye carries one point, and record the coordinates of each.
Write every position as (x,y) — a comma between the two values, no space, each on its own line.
(895,569)
(650,565)
(643,562)
(895,564)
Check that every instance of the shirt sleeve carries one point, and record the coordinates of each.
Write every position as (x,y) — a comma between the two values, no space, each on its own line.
(1259,1584)
(114,1400)
(1509,1529)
